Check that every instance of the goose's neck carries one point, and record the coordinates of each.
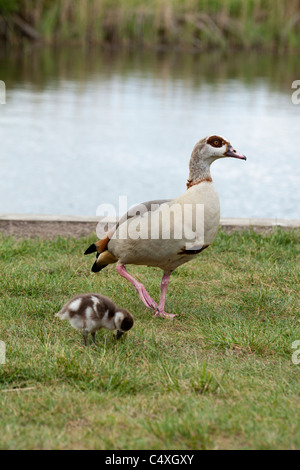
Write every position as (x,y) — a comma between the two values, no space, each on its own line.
(199,172)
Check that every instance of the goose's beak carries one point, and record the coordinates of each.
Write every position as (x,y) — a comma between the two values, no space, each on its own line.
(230,152)
(119,334)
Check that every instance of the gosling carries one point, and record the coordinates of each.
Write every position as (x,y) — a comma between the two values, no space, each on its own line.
(90,312)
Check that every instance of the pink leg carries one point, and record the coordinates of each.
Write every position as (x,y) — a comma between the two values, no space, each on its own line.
(144,296)
(163,289)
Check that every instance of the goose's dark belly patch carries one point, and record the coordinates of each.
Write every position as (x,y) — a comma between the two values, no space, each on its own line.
(192,252)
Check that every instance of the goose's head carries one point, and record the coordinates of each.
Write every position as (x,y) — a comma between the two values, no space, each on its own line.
(215,146)
(207,151)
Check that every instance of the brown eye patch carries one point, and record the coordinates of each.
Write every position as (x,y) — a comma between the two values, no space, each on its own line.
(216,141)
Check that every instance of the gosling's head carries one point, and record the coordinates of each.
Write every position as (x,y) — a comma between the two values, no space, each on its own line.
(123,321)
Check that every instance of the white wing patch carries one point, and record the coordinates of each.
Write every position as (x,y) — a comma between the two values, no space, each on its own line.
(119,316)
(75,305)
(95,301)
(90,324)
(107,322)
(88,313)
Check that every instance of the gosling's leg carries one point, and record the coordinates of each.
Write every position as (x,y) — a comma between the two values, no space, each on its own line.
(85,337)
(94,337)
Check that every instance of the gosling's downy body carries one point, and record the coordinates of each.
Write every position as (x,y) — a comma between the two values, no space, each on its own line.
(170,252)
(90,312)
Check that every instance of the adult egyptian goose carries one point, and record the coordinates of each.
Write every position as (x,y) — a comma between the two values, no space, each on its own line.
(90,312)
(168,233)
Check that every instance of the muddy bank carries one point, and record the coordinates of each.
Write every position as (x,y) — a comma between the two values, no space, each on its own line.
(50,227)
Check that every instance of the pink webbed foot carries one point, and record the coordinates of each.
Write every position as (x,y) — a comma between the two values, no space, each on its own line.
(163,314)
(160,311)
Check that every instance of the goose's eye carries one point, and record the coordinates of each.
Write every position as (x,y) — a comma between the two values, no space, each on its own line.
(215,141)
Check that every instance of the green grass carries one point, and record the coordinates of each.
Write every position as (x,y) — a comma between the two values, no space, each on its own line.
(184,24)
(219,376)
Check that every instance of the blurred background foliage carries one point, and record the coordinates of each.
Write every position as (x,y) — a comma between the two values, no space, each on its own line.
(180,24)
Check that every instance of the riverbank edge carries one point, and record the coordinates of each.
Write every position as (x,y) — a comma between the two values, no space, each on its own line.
(52,226)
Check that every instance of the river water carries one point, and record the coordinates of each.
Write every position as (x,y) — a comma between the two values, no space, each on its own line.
(82,127)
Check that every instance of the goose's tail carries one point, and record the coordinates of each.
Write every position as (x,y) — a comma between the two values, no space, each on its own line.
(103,256)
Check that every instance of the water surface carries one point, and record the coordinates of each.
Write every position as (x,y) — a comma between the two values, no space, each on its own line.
(81,127)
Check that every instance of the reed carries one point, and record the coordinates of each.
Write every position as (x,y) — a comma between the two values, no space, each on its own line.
(181,24)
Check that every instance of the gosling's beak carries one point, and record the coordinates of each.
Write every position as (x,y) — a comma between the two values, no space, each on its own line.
(230,152)
(119,334)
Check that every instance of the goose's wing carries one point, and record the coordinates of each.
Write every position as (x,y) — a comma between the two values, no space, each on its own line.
(138,210)
(141,209)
